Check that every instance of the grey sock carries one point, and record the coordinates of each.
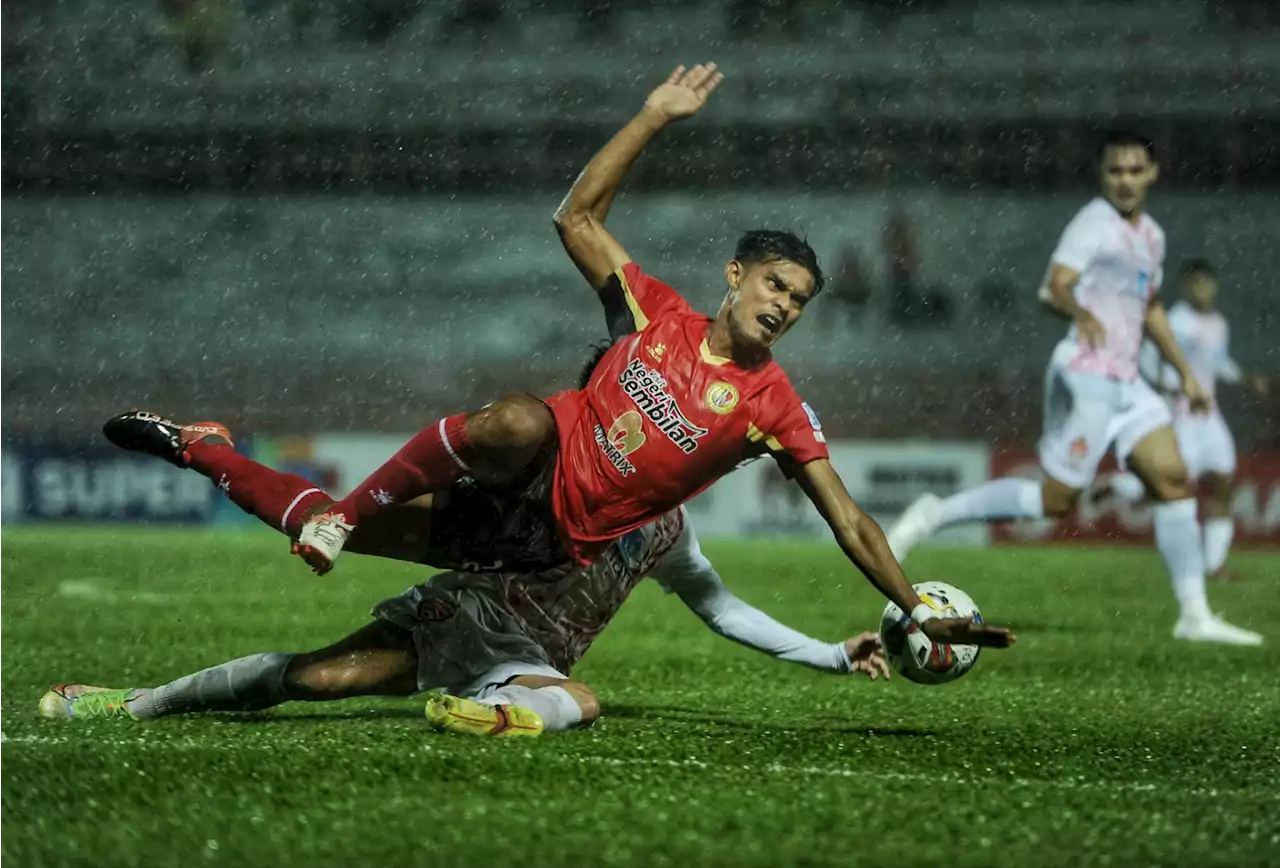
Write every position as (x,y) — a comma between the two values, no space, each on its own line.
(248,684)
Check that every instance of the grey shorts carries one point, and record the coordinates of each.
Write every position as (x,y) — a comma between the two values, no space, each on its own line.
(467,641)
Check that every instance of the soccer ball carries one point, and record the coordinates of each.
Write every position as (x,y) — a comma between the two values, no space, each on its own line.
(913,654)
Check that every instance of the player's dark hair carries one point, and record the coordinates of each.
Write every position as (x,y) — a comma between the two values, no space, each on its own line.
(1200,265)
(1125,139)
(598,350)
(769,245)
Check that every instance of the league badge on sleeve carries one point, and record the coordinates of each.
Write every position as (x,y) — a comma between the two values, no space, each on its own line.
(814,423)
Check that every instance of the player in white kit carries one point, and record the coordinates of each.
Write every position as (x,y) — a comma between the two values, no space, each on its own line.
(1204,440)
(1103,276)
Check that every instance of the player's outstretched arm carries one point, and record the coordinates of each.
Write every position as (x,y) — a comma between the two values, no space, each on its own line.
(1157,326)
(687,571)
(864,543)
(580,218)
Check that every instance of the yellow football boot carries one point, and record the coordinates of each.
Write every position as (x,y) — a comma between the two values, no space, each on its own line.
(455,714)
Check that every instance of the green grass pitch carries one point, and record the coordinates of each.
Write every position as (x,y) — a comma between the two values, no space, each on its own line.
(1095,741)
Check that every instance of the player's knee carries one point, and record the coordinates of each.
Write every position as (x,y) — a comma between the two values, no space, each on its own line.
(586,699)
(515,425)
(1170,481)
(308,679)
(1221,486)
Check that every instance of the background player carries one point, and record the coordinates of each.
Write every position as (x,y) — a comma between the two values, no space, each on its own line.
(502,645)
(678,402)
(1204,440)
(1104,276)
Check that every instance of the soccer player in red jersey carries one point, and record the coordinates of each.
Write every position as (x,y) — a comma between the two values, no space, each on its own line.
(678,401)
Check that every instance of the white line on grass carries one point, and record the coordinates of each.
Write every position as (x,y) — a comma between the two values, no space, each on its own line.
(1068,783)
(89,589)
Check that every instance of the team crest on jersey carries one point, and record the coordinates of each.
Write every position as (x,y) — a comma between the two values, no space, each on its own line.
(721,398)
(1079,448)
(657,351)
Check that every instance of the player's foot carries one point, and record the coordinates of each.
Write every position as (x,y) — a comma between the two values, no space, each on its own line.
(918,523)
(140,431)
(1211,628)
(1227,575)
(322,539)
(455,714)
(84,702)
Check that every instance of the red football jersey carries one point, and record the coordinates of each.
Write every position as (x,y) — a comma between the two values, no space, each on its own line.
(663,418)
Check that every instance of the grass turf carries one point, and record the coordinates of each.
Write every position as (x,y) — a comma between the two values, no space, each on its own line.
(1096,740)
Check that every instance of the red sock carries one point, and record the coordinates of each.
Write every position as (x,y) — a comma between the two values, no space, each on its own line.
(439,455)
(281,500)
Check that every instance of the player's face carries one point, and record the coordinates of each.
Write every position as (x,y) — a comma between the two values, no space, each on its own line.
(1201,291)
(1127,172)
(765,299)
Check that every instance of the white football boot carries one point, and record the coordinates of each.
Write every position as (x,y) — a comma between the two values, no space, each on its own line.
(1211,628)
(918,523)
(322,539)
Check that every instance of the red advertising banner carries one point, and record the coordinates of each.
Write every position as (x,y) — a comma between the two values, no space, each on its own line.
(1255,506)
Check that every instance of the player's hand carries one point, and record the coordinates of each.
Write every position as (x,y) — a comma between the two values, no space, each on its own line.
(866,655)
(1196,394)
(684,92)
(966,631)
(1090,330)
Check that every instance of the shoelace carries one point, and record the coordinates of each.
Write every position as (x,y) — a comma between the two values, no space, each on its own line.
(332,531)
(109,703)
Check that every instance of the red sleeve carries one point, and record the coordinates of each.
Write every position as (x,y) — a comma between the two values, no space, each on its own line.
(789,427)
(648,298)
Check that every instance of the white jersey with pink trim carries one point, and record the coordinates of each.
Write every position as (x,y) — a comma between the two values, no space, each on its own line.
(1121,266)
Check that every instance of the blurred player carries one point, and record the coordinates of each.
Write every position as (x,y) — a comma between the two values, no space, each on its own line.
(502,646)
(1104,276)
(679,400)
(1204,440)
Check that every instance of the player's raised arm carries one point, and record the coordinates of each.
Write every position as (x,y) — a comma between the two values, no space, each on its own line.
(864,543)
(580,218)
(1157,327)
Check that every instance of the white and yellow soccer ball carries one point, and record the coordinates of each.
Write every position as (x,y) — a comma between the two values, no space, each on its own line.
(912,654)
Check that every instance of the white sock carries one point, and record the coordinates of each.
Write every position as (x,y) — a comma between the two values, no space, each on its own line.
(247,684)
(1178,539)
(1128,487)
(1217,542)
(1010,497)
(555,705)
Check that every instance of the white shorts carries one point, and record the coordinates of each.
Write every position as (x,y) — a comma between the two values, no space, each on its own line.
(1206,444)
(1085,413)
(467,642)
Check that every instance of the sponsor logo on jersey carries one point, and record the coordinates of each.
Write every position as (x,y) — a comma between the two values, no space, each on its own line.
(721,398)
(631,547)
(624,436)
(649,390)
